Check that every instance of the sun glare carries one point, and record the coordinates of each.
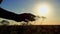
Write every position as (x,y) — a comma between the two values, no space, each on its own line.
(43,10)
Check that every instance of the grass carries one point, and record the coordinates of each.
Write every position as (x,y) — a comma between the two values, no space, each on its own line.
(30,29)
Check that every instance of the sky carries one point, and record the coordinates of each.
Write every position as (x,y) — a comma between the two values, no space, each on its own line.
(48,8)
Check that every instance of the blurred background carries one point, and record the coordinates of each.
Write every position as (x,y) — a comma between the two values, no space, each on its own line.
(47,10)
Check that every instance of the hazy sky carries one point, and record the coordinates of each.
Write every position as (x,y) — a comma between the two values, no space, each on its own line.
(23,6)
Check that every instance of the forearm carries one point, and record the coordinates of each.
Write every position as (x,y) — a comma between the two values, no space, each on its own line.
(8,15)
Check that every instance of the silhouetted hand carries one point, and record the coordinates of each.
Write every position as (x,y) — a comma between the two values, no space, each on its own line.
(26,17)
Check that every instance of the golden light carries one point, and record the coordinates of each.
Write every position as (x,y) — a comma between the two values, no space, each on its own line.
(43,9)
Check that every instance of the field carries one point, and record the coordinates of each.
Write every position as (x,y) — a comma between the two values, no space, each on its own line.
(31,29)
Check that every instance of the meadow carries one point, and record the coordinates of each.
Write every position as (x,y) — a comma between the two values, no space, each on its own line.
(30,29)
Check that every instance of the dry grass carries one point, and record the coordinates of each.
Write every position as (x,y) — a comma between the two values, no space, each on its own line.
(31,29)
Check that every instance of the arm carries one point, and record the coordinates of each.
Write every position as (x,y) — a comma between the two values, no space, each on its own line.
(8,15)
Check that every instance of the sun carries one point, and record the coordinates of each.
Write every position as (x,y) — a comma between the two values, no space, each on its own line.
(43,10)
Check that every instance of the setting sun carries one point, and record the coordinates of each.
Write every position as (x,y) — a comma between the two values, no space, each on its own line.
(44,9)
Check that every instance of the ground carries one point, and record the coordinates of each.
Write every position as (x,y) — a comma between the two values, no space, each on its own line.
(31,29)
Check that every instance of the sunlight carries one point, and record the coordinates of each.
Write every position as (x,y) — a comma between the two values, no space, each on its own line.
(43,10)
